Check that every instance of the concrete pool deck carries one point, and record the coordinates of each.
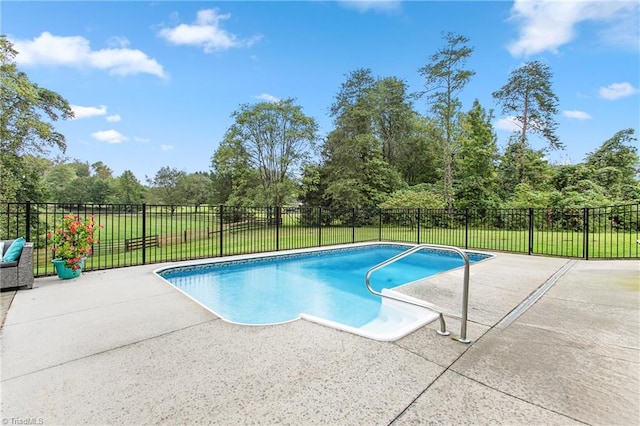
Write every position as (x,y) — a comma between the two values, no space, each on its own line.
(122,346)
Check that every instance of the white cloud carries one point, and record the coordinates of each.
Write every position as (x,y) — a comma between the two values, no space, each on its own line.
(109,136)
(545,25)
(125,62)
(75,51)
(113,118)
(508,123)
(117,41)
(141,140)
(269,98)
(374,5)
(578,115)
(166,147)
(84,112)
(617,91)
(206,32)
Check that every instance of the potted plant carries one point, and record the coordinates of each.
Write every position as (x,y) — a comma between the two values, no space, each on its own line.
(71,242)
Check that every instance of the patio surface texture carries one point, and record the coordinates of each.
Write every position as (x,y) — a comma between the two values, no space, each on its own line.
(123,347)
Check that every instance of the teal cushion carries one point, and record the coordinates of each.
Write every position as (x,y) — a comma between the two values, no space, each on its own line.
(14,250)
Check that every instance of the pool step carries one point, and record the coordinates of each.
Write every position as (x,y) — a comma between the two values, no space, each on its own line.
(394,321)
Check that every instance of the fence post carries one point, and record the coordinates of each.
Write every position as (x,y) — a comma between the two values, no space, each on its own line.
(278,218)
(319,226)
(144,233)
(353,225)
(418,226)
(27,214)
(221,227)
(379,224)
(585,233)
(466,229)
(530,230)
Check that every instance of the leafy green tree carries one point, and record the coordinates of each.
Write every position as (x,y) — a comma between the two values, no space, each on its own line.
(271,139)
(607,177)
(422,196)
(528,98)
(128,189)
(418,160)
(364,156)
(355,171)
(26,115)
(22,179)
(587,194)
(353,100)
(476,183)
(97,190)
(99,187)
(59,183)
(312,185)
(570,176)
(522,165)
(367,185)
(232,175)
(81,169)
(445,76)
(406,202)
(392,116)
(166,186)
(101,170)
(524,195)
(615,166)
(196,188)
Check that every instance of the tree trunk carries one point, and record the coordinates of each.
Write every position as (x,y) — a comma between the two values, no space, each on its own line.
(523,136)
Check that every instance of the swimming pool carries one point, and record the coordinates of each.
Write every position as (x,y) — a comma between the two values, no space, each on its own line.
(322,285)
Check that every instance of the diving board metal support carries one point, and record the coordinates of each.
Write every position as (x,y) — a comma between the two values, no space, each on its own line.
(465,286)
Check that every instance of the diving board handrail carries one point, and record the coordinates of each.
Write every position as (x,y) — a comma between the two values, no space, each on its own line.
(465,287)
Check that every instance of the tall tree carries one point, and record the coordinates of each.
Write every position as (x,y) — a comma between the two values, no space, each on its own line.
(232,174)
(166,185)
(128,189)
(615,166)
(59,182)
(522,165)
(354,169)
(476,181)
(81,168)
(22,178)
(353,97)
(392,116)
(197,188)
(101,170)
(418,159)
(99,191)
(574,187)
(445,76)
(26,115)
(274,139)
(312,185)
(528,98)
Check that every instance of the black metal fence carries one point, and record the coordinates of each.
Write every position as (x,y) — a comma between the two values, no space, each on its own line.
(142,234)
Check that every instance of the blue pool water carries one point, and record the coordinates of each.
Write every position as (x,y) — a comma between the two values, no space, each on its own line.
(328,284)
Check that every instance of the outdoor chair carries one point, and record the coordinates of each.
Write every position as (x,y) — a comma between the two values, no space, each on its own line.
(19,273)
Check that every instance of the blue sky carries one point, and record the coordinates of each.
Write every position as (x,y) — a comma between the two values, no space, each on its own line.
(153,84)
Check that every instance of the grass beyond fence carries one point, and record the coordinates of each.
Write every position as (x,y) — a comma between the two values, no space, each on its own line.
(186,233)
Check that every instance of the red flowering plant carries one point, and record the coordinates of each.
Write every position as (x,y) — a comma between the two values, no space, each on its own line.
(73,239)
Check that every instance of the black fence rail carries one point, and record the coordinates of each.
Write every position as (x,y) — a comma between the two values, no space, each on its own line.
(143,234)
